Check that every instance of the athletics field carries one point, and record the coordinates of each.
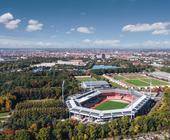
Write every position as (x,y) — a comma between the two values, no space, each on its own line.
(109,105)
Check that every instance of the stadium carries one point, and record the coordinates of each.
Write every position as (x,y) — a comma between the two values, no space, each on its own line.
(102,105)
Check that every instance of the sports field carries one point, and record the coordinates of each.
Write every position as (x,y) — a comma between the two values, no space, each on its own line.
(139,80)
(109,105)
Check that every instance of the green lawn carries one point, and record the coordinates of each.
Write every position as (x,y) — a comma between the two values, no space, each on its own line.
(155,82)
(4,114)
(115,85)
(135,76)
(137,82)
(119,77)
(109,105)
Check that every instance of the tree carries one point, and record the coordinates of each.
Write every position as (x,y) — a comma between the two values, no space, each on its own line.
(8,105)
(1,102)
(81,130)
(43,134)
(22,135)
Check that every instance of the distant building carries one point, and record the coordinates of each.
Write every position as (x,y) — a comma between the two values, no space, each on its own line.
(157,65)
(161,75)
(95,84)
(72,62)
(103,56)
(44,65)
(96,67)
(36,70)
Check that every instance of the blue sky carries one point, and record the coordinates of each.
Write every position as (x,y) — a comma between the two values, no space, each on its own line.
(85,23)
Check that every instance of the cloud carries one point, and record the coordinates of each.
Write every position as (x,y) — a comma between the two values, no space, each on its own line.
(8,20)
(156,28)
(81,29)
(15,42)
(13,24)
(85,30)
(161,32)
(70,31)
(5,18)
(98,42)
(153,44)
(12,42)
(34,25)
(86,40)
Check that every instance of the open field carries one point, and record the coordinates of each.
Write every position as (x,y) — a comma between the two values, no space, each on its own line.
(109,105)
(155,81)
(134,76)
(3,114)
(139,80)
(119,77)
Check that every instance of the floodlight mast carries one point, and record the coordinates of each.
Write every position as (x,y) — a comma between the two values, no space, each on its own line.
(150,84)
(131,90)
(90,85)
(63,91)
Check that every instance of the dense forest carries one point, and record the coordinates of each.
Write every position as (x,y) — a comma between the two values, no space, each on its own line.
(19,86)
(38,129)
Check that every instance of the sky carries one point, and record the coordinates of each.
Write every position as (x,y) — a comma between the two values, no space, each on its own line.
(85,23)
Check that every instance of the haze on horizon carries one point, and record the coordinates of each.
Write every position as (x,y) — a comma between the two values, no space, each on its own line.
(85,24)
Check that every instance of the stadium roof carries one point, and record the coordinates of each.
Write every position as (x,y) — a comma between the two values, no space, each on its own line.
(95,84)
(75,107)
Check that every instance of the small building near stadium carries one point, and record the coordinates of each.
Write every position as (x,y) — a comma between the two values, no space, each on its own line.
(94,84)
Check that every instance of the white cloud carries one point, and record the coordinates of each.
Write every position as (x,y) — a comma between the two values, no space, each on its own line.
(156,28)
(86,40)
(34,25)
(98,42)
(5,18)
(161,32)
(13,24)
(81,29)
(8,20)
(85,30)
(151,43)
(13,42)
(72,29)
(68,32)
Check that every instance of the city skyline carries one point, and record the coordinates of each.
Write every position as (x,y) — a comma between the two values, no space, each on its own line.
(85,24)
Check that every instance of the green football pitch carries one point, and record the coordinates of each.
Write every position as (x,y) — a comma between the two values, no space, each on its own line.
(146,82)
(109,105)
(137,82)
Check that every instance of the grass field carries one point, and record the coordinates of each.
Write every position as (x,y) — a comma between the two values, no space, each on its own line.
(135,76)
(109,105)
(119,77)
(155,82)
(3,114)
(139,80)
